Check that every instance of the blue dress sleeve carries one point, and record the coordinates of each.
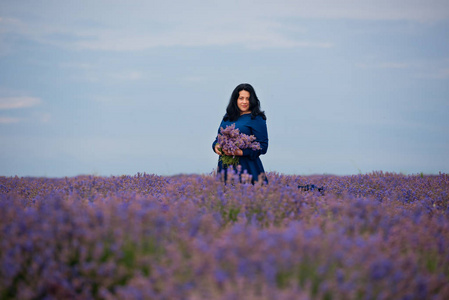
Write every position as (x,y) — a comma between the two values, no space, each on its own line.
(259,130)
(214,143)
(216,139)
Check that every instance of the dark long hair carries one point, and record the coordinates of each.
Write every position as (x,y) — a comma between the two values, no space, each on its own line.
(233,111)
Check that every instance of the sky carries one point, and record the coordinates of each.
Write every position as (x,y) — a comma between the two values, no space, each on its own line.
(108,87)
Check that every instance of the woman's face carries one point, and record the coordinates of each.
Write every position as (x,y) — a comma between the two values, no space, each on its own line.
(243,102)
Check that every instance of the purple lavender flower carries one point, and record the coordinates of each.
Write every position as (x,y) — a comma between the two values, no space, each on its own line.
(230,140)
(192,237)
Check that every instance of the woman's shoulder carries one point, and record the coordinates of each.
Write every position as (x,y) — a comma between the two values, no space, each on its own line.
(256,122)
(259,118)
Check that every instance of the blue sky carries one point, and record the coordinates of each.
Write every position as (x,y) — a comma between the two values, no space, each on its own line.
(120,87)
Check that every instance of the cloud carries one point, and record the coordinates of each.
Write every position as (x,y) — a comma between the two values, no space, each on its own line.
(18,102)
(127,75)
(139,25)
(254,33)
(384,65)
(190,25)
(43,117)
(9,120)
(430,69)
(441,74)
(438,69)
(412,10)
(76,65)
(96,75)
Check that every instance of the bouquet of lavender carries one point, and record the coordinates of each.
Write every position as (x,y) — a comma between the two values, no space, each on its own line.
(230,140)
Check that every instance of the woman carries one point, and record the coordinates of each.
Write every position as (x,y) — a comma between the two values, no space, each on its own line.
(244,111)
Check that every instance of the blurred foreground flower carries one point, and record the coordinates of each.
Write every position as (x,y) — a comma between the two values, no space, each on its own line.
(230,140)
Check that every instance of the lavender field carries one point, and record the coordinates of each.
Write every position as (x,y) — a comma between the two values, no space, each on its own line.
(372,236)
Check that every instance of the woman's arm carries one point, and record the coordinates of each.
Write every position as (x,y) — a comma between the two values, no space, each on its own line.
(215,145)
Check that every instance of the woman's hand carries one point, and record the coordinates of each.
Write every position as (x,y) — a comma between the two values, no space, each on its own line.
(237,152)
(217,150)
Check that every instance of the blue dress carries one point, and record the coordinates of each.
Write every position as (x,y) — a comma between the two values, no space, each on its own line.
(250,160)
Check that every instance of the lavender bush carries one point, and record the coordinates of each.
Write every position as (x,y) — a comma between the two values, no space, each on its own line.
(373,236)
(230,139)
